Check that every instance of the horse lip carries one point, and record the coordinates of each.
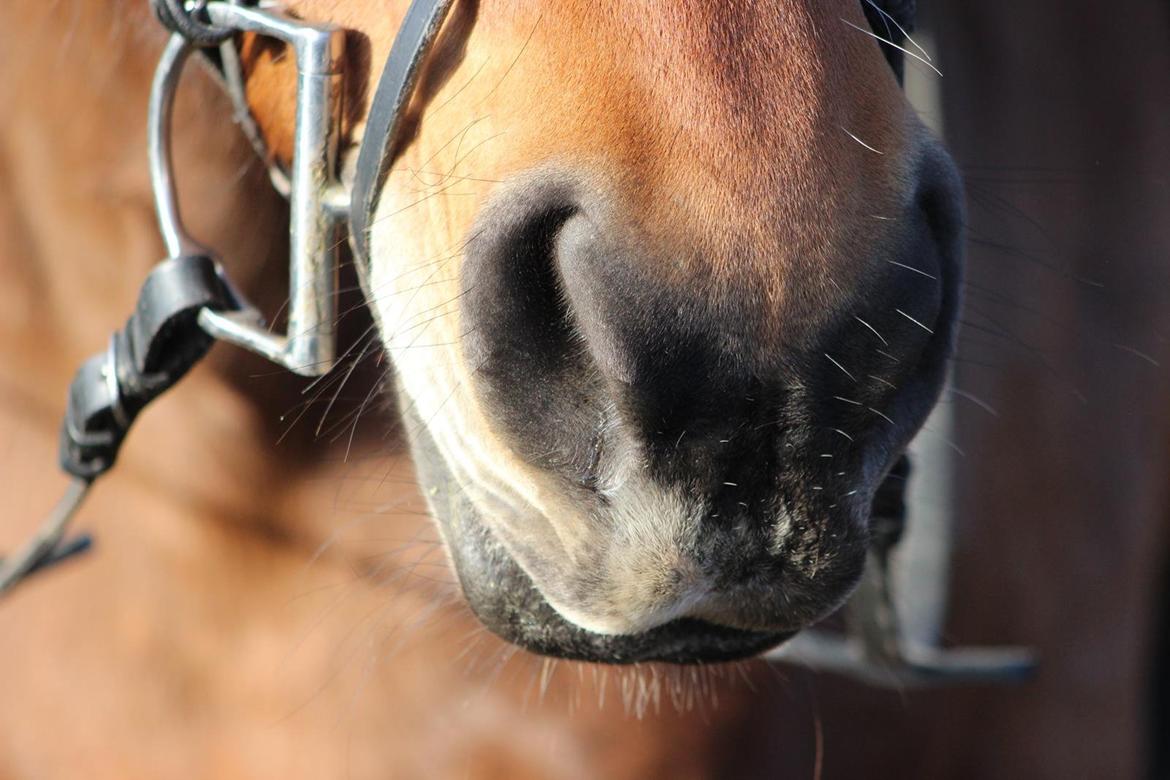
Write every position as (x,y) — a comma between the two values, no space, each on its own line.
(517,611)
(507,602)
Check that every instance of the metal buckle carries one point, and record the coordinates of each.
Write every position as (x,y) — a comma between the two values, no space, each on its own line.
(308,348)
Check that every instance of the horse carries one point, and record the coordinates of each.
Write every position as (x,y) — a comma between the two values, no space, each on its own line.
(653,402)
(657,320)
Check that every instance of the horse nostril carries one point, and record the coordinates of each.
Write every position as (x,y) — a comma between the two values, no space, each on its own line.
(940,204)
(521,337)
(513,301)
(940,197)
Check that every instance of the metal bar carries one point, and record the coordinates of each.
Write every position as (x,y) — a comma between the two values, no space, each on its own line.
(921,565)
(158,144)
(309,346)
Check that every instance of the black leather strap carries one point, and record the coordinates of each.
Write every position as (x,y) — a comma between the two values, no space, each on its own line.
(395,88)
(161,341)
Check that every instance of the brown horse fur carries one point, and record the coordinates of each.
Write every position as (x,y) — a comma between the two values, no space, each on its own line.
(256,609)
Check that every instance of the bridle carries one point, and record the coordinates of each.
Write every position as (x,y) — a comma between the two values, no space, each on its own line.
(188,301)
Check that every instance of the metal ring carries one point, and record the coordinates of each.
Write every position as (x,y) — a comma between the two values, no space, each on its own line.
(188,20)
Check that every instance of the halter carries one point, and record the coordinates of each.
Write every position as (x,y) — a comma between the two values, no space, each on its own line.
(187,302)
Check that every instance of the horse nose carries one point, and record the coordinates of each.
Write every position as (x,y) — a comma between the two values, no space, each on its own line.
(729,436)
(578,325)
(572,323)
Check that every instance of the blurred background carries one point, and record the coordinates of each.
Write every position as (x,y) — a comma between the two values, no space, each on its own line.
(250,648)
(1053,439)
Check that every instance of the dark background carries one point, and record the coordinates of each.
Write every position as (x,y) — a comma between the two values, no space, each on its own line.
(1059,116)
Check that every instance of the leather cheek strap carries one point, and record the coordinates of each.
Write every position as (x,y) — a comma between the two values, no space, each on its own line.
(395,89)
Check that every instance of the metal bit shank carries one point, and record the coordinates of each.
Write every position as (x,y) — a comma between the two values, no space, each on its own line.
(874,649)
(309,347)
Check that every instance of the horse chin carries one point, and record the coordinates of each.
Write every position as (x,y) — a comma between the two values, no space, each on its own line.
(507,602)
